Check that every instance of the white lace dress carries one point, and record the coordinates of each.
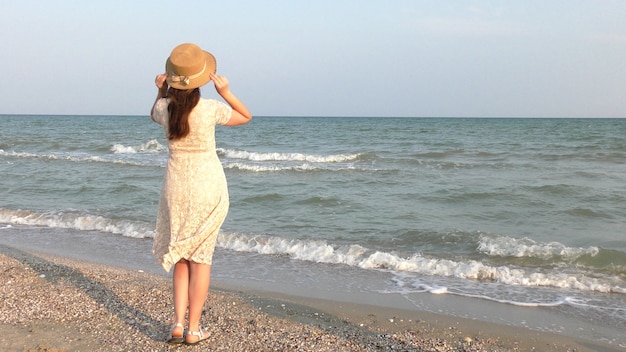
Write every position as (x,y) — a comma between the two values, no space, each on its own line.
(194,197)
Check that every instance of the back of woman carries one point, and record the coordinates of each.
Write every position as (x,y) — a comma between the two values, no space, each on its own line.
(194,196)
(202,121)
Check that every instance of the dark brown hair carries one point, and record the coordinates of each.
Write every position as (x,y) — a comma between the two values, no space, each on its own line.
(181,104)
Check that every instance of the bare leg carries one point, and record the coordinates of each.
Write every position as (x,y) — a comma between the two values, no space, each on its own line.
(181,289)
(199,280)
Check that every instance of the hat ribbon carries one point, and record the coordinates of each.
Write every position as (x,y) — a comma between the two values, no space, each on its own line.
(184,80)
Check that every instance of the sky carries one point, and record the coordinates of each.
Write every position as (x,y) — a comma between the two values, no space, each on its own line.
(409,58)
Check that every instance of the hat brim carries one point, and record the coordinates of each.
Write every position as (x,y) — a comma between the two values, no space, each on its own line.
(202,79)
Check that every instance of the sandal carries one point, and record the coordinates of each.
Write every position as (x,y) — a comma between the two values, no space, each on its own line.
(202,335)
(174,340)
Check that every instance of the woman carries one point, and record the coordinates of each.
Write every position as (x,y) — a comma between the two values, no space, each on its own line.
(194,196)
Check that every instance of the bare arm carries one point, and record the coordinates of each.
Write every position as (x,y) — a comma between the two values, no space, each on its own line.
(161,83)
(241,115)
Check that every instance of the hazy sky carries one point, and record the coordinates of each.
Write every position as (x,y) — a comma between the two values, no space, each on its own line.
(532,58)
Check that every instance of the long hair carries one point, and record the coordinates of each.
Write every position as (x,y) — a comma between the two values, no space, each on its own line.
(181,104)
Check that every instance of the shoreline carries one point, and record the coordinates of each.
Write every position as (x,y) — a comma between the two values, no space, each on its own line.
(51,303)
(271,276)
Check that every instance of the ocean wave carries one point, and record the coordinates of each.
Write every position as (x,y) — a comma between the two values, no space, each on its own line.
(256,162)
(79,158)
(311,158)
(152,146)
(76,221)
(268,168)
(15,154)
(362,257)
(277,168)
(503,246)
(354,255)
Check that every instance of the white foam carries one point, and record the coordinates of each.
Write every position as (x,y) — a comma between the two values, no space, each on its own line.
(504,246)
(438,290)
(28,155)
(359,256)
(69,220)
(320,251)
(268,168)
(152,146)
(315,251)
(312,158)
(120,149)
(73,158)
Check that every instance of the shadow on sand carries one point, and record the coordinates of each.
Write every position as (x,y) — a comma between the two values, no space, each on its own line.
(97,291)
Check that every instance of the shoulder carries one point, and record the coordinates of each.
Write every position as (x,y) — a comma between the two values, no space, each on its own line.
(220,110)
(209,103)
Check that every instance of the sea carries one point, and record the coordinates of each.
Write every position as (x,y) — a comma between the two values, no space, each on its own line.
(519,221)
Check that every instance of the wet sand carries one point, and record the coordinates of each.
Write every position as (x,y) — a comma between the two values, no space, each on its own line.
(51,303)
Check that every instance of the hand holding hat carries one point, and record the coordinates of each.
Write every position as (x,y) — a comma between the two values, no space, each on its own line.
(221,84)
(161,80)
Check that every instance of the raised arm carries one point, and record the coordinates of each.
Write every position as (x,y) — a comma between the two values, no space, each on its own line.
(161,82)
(241,114)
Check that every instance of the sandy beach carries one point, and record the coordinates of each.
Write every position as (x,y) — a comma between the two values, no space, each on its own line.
(51,303)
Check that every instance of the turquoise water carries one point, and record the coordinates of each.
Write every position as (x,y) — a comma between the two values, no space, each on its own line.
(523,212)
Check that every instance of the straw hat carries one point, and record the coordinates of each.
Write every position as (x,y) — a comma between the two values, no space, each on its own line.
(189,67)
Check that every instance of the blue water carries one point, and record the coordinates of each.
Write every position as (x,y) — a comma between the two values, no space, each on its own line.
(522,212)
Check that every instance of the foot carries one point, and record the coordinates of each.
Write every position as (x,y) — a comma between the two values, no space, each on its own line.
(195,337)
(176,336)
